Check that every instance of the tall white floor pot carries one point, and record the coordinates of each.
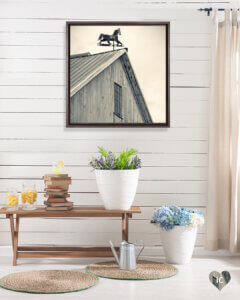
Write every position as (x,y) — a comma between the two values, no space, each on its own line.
(178,244)
(117,188)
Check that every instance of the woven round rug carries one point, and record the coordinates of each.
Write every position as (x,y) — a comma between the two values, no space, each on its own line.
(48,281)
(146,270)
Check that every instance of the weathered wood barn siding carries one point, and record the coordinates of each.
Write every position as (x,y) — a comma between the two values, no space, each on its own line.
(32,118)
(94,102)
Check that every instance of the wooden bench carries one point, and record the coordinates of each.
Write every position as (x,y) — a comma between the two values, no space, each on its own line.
(64,251)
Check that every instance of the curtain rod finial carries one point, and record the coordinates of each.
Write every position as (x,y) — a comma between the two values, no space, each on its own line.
(208,10)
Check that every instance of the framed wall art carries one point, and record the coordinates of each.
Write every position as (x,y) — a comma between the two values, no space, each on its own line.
(118,74)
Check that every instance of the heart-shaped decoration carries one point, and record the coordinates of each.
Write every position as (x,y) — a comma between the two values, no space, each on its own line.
(219,280)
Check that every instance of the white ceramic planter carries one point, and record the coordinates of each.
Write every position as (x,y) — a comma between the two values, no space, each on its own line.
(117,188)
(178,244)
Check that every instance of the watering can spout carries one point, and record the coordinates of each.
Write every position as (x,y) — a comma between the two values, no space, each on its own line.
(114,252)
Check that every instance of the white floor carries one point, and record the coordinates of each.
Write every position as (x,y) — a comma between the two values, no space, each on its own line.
(190,283)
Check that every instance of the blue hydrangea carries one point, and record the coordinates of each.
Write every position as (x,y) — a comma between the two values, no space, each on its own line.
(167,217)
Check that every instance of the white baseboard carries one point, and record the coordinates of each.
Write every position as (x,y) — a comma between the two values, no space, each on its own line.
(149,251)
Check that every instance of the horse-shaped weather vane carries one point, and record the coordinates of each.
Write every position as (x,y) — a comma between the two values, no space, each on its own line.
(110,38)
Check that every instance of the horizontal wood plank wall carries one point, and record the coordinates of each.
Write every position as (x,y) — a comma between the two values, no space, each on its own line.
(32,119)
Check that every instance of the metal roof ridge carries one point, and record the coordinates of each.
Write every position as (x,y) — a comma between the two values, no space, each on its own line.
(97,71)
(87,54)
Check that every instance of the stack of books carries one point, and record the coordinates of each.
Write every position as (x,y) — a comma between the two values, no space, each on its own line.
(56,192)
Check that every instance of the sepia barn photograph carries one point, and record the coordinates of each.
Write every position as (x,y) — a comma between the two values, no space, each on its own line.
(118,74)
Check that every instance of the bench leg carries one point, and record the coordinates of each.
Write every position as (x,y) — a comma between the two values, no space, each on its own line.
(12,229)
(14,233)
(125,219)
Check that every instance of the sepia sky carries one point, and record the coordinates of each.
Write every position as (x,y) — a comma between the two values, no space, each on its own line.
(146,51)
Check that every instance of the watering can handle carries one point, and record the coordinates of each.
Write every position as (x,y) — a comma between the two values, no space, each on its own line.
(114,252)
(140,250)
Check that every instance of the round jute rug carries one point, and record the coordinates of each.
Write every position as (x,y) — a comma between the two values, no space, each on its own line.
(48,281)
(146,270)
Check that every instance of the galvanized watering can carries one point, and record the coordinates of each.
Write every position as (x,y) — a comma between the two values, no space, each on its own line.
(127,259)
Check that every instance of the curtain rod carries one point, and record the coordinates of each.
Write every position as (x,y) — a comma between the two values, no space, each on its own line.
(209,9)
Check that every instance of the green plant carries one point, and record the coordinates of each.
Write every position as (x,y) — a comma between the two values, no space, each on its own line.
(110,161)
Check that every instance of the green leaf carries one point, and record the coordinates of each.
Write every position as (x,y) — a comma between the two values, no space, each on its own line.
(124,158)
(102,151)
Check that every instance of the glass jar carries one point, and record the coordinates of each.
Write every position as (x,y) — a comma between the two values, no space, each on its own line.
(57,168)
(12,199)
(29,196)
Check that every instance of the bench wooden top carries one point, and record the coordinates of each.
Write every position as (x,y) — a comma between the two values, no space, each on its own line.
(77,211)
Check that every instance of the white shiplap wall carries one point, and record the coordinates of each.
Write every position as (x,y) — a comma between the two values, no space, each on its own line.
(32,118)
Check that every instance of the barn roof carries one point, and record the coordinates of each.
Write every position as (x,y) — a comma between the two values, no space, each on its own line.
(84,67)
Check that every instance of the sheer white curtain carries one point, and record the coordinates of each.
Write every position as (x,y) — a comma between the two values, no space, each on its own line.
(223,209)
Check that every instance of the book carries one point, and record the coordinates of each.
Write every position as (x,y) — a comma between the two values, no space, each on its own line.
(61,194)
(58,208)
(53,181)
(56,177)
(57,200)
(58,190)
(57,204)
(60,184)
(55,195)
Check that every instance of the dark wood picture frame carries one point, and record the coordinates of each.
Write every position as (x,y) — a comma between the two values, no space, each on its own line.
(77,23)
